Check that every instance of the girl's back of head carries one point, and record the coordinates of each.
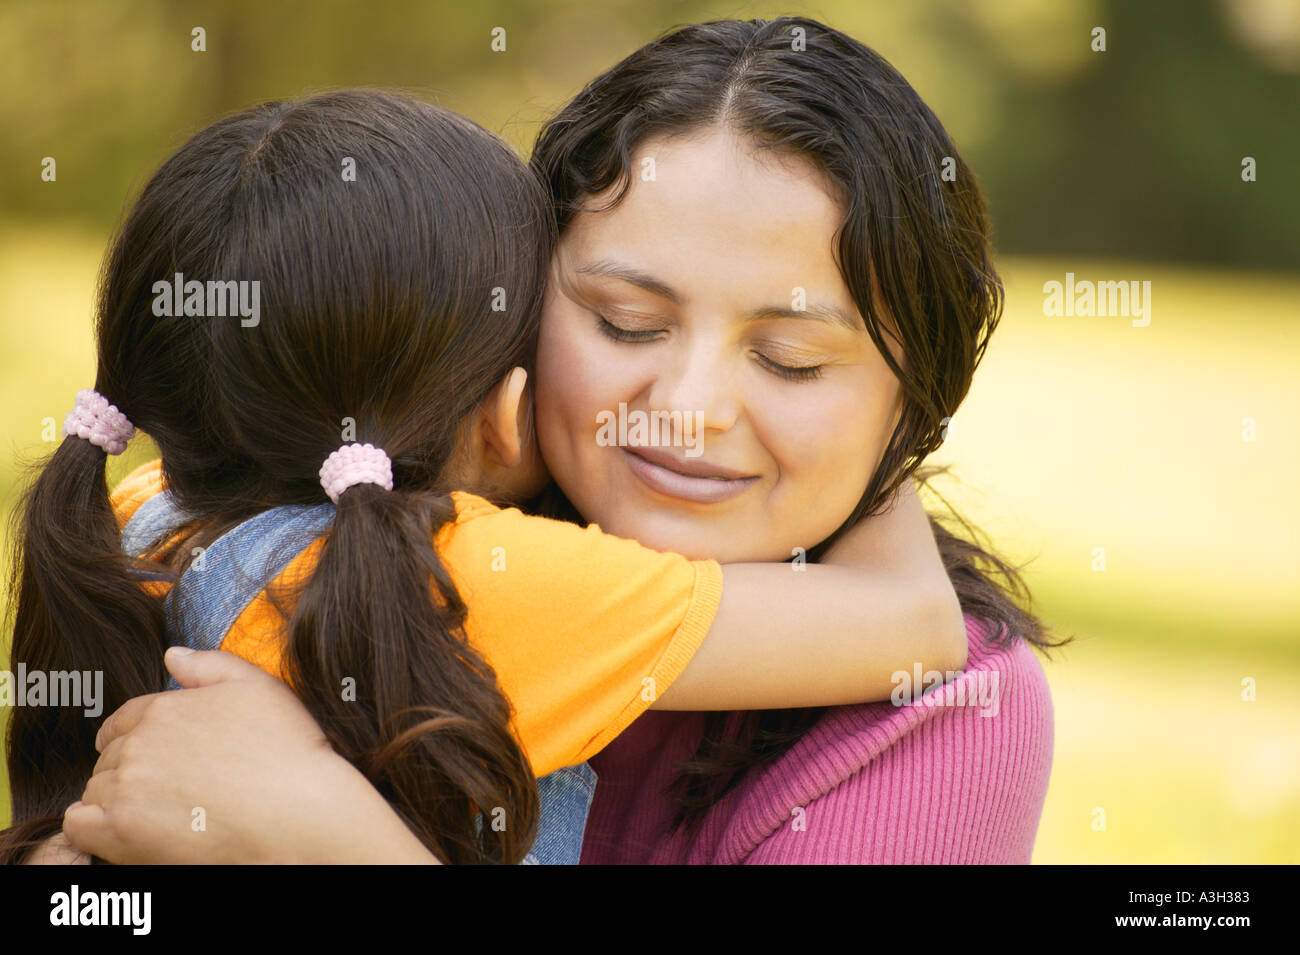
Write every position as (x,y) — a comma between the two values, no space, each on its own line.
(354,267)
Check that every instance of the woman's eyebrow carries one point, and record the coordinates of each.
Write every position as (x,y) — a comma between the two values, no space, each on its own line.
(823,313)
(626,273)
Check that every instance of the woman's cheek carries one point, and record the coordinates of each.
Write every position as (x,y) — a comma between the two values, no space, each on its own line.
(805,426)
(826,447)
(558,401)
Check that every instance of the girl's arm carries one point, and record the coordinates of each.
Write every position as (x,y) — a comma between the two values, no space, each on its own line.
(240,745)
(789,635)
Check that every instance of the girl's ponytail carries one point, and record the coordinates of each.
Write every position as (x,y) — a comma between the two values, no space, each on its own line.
(80,618)
(377,652)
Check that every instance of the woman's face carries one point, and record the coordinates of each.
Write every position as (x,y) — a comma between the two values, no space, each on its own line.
(711,291)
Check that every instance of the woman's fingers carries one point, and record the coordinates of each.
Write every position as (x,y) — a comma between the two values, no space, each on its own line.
(124,719)
(110,757)
(86,826)
(194,668)
(100,789)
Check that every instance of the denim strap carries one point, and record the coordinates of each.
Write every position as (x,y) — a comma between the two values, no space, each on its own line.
(152,521)
(229,574)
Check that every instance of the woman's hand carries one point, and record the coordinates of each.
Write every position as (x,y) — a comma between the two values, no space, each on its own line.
(232,769)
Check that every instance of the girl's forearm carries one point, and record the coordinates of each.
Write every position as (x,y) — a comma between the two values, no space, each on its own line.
(821,635)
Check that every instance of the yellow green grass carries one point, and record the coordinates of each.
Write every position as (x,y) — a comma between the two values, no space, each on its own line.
(1080,433)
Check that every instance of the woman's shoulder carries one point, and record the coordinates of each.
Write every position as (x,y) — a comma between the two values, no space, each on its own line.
(984,738)
(1002,678)
(1000,699)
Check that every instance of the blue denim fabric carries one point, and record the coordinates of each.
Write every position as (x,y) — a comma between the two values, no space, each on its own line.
(566,796)
(209,597)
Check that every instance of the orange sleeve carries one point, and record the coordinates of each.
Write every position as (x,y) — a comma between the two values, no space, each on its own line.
(584,629)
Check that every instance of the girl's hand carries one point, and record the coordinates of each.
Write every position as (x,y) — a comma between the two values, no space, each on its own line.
(232,769)
(898,539)
(899,545)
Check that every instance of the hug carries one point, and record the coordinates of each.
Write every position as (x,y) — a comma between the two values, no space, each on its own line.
(456,623)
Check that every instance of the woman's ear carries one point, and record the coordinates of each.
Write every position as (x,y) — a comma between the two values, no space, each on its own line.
(504,420)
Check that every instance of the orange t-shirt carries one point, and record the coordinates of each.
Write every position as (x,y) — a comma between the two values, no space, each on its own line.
(583,628)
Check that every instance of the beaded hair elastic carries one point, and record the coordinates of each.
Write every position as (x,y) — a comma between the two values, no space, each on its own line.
(99,422)
(355,464)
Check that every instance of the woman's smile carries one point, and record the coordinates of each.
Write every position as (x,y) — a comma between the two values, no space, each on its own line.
(685,479)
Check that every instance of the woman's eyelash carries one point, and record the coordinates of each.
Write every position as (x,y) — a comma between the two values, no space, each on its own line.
(623,334)
(788,372)
(792,372)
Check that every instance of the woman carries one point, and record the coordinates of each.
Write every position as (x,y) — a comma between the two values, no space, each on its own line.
(763,156)
(754,230)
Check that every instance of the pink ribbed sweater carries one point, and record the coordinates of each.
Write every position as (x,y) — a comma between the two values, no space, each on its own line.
(875,783)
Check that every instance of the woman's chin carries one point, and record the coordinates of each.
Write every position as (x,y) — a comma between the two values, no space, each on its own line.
(695,539)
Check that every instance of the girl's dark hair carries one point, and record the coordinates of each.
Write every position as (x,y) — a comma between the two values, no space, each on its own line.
(401,252)
(921,241)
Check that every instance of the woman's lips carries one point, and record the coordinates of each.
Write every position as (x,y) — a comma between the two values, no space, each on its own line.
(705,484)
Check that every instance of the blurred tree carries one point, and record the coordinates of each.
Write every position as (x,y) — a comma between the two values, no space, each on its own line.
(1132,152)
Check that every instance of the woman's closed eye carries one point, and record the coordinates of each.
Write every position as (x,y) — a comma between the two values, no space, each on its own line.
(620,333)
(790,372)
(790,361)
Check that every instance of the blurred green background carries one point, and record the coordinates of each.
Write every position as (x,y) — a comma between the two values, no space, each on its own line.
(1173,447)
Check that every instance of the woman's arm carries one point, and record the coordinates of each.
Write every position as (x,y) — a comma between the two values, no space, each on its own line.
(232,770)
(788,635)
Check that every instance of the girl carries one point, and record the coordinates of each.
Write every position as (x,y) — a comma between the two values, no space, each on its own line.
(399,254)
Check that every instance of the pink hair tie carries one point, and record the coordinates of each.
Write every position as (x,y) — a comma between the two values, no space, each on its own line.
(355,464)
(100,423)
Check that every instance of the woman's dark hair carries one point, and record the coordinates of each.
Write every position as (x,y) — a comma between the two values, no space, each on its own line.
(919,240)
(401,254)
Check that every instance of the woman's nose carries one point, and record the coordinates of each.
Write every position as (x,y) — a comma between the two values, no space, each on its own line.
(700,383)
